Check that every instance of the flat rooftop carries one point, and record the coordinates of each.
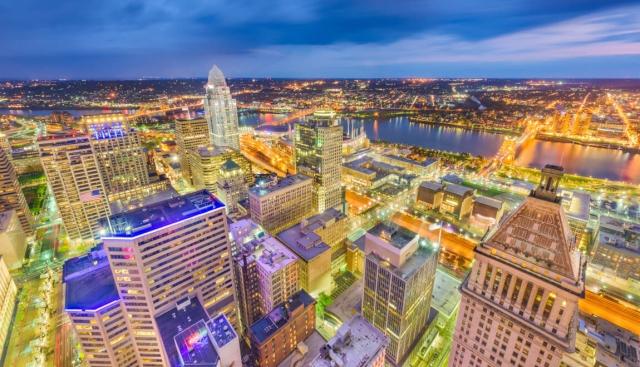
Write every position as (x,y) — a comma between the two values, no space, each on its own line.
(577,204)
(262,190)
(307,245)
(272,255)
(492,203)
(5,219)
(458,189)
(211,151)
(89,283)
(396,236)
(221,330)
(185,336)
(268,325)
(355,344)
(446,295)
(432,185)
(148,218)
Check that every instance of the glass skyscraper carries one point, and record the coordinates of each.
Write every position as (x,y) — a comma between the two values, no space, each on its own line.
(221,111)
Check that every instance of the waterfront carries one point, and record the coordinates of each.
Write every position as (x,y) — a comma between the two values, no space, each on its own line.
(578,159)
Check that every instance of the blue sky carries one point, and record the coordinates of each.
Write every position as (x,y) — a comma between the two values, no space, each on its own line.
(308,38)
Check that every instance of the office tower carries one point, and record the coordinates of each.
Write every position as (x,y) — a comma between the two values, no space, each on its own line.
(11,196)
(266,274)
(167,252)
(13,241)
(97,312)
(8,292)
(277,205)
(5,145)
(190,135)
(278,333)
(398,281)
(118,149)
(318,145)
(231,185)
(73,173)
(519,303)
(319,243)
(221,112)
(205,163)
(356,343)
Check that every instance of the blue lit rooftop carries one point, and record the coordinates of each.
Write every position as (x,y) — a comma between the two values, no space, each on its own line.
(148,218)
(89,283)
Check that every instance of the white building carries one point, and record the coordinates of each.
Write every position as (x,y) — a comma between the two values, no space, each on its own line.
(13,241)
(520,302)
(221,111)
(8,293)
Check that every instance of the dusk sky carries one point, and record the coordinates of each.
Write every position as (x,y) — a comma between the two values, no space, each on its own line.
(110,39)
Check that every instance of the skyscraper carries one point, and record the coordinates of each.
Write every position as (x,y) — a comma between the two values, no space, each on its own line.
(519,303)
(205,163)
(190,135)
(11,196)
(221,111)
(231,185)
(398,281)
(8,292)
(119,152)
(165,255)
(73,173)
(318,144)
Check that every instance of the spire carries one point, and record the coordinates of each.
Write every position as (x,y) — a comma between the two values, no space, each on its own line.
(548,187)
(216,78)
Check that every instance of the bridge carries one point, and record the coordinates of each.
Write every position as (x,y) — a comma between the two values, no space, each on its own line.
(510,145)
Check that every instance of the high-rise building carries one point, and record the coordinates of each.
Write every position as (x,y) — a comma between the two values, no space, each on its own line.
(205,163)
(280,204)
(278,333)
(8,292)
(356,343)
(231,185)
(166,253)
(97,312)
(118,149)
(318,145)
(13,241)
(398,281)
(5,145)
(221,111)
(190,135)
(266,275)
(11,196)
(519,303)
(73,173)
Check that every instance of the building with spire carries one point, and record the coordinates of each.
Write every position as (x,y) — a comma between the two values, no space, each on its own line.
(519,303)
(221,111)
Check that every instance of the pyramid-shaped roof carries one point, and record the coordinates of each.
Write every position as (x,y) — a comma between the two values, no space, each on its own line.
(538,233)
(230,165)
(216,78)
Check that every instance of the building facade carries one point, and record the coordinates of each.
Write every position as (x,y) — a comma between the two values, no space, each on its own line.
(8,292)
(11,196)
(221,112)
(73,173)
(166,252)
(13,241)
(190,135)
(519,304)
(205,163)
(232,186)
(398,281)
(318,144)
(277,205)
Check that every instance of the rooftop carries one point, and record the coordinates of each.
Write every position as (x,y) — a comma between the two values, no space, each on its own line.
(355,344)
(185,336)
(211,151)
(303,242)
(577,204)
(272,255)
(268,325)
(446,295)
(89,283)
(5,219)
(458,190)
(493,203)
(139,221)
(394,235)
(432,185)
(270,187)
(221,330)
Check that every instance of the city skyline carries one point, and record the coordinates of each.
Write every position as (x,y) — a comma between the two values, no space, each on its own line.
(137,39)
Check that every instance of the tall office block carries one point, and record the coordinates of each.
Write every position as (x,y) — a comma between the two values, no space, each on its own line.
(318,145)
(118,149)
(278,205)
(221,111)
(205,164)
(231,185)
(520,301)
(398,282)
(5,145)
(190,135)
(73,173)
(97,313)
(8,292)
(168,254)
(11,196)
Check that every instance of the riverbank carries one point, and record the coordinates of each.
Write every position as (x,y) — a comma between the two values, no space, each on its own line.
(469,126)
(563,139)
